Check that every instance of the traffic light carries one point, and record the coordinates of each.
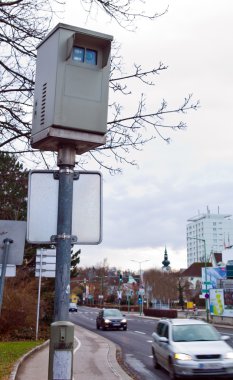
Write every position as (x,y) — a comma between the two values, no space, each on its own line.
(139,299)
(120,278)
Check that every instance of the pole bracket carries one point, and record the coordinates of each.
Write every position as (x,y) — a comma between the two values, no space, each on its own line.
(55,238)
(68,171)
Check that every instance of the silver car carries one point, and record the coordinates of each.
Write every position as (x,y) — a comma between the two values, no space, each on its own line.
(191,347)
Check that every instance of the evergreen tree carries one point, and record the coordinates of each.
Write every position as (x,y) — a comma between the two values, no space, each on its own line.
(75,260)
(13,188)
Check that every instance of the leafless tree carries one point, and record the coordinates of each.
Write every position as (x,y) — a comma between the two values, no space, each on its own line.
(163,284)
(124,12)
(24,24)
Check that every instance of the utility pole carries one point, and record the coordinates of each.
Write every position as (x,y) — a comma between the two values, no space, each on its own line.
(71,121)
(141,298)
(206,289)
(64,239)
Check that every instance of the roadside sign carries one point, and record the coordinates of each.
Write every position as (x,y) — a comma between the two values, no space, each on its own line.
(15,230)
(10,270)
(45,263)
(43,207)
(119,294)
(141,292)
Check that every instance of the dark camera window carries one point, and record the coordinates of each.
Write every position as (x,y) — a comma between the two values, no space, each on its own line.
(78,54)
(81,54)
(91,57)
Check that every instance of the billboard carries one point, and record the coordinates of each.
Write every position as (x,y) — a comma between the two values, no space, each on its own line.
(221,302)
(210,276)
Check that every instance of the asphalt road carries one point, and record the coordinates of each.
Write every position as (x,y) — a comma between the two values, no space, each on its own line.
(135,342)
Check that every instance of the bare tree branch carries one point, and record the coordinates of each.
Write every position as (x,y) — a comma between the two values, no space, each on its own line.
(124,12)
(23,25)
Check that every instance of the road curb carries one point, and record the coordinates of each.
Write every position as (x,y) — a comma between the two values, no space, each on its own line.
(24,357)
(114,351)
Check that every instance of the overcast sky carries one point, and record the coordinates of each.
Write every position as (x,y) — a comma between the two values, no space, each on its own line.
(146,209)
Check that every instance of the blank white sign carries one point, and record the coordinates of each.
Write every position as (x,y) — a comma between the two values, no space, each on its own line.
(62,363)
(14,230)
(43,207)
(10,270)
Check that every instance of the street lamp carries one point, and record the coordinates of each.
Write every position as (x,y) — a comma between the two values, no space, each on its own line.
(140,273)
(206,300)
(140,268)
(101,296)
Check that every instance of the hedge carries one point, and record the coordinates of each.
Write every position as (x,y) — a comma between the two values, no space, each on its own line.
(160,313)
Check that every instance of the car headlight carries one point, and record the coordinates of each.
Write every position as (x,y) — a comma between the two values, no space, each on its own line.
(179,356)
(107,321)
(229,355)
(123,320)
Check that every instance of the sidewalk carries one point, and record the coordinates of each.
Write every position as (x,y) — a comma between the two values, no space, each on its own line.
(94,358)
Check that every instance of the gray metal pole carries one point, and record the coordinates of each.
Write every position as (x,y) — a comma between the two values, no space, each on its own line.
(66,163)
(206,300)
(6,248)
(38,298)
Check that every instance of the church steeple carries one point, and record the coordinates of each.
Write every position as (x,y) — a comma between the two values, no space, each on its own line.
(166,262)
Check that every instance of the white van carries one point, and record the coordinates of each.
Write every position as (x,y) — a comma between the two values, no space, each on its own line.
(73,307)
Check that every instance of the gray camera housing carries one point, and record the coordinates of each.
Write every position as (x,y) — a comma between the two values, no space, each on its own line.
(71,94)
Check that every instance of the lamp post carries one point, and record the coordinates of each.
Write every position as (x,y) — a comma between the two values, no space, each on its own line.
(140,273)
(206,300)
(101,296)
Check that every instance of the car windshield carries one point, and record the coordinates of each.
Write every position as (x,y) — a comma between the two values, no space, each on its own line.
(112,313)
(192,332)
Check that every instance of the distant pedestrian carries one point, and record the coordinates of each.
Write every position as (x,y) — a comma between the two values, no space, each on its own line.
(195,309)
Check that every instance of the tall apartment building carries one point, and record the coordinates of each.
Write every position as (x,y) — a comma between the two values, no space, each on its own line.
(208,233)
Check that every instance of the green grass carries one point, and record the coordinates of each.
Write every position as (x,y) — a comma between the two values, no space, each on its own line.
(10,352)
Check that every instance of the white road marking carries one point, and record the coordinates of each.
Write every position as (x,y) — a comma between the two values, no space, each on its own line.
(140,332)
(76,349)
(78,346)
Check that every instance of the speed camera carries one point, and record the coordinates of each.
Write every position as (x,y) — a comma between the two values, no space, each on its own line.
(71,89)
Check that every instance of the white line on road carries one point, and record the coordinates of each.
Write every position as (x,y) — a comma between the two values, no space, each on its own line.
(78,346)
(140,332)
(76,349)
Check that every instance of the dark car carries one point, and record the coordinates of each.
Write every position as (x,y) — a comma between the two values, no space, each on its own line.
(111,319)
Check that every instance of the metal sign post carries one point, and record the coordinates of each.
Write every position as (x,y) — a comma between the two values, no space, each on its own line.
(38,299)
(45,267)
(69,116)
(64,240)
(10,253)
(6,248)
